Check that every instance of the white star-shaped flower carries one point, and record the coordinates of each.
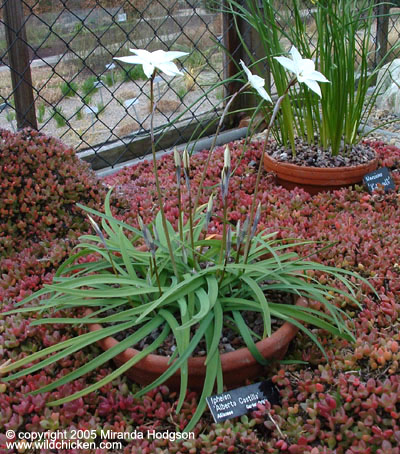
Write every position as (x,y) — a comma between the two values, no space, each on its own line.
(304,69)
(256,82)
(159,59)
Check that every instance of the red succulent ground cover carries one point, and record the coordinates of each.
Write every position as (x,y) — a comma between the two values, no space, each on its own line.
(349,404)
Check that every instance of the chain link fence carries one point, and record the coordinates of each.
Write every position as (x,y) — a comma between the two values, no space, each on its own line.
(65,82)
(97,104)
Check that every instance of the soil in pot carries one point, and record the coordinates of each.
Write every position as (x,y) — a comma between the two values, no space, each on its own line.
(316,170)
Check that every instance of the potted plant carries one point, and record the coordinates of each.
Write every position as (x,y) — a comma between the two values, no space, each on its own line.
(318,144)
(184,287)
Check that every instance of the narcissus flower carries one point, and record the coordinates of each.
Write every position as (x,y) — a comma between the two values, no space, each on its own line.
(256,82)
(304,69)
(159,59)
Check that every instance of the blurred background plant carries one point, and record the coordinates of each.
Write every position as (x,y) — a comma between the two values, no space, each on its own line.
(59,117)
(10,117)
(132,74)
(69,89)
(79,113)
(181,92)
(41,111)
(88,89)
(108,79)
(100,108)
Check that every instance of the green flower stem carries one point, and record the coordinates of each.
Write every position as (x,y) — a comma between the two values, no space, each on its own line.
(253,203)
(160,202)
(152,93)
(157,275)
(221,121)
(223,244)
(112,263)
(180,221)
(191,227)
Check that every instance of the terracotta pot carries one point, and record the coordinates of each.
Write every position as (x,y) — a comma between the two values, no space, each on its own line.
(317,179)
(237,366)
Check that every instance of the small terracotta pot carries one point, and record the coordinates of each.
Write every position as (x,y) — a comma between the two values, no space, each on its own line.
(317,179)
(237,366)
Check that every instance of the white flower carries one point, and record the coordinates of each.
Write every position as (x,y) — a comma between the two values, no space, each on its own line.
(159,59)
(186,159)
(304,70)
(256,82)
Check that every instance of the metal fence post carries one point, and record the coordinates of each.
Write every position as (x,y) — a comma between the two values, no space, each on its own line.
(18,55)
(382,30)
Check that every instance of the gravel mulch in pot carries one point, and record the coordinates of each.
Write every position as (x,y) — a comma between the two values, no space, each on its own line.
(314,156)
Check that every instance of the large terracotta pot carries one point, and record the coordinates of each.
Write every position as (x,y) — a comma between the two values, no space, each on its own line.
(237,366)
(317,179)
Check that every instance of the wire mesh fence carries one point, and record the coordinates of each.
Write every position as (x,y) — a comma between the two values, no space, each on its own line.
(70,86)
(86,98)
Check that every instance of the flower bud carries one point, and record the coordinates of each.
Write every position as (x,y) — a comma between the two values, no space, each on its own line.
(238,233)
(223,184)
(97,230)
(177,158)
(225,176)
(178,166)
(140,220)
(209,209)
(256,220)
(186,160)
(148,239)
(227,158)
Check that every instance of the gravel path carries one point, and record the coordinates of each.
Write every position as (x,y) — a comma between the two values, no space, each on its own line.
(84,127)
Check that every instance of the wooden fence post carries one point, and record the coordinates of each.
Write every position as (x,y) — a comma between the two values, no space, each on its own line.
(18,55)
(236,50)
(235,54)
(382,30)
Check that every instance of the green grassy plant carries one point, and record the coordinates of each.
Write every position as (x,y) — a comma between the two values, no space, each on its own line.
(88,88)
(108,79)
(41,112)
(135,73)
(101,108)
(181,92)
(59,117)
(78,113)
(69,89)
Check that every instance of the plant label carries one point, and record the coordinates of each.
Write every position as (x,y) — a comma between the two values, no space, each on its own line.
(130,102)
(380,176)
(240,401)
(91,110)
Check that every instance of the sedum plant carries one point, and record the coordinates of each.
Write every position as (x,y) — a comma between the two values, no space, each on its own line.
(184,282)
